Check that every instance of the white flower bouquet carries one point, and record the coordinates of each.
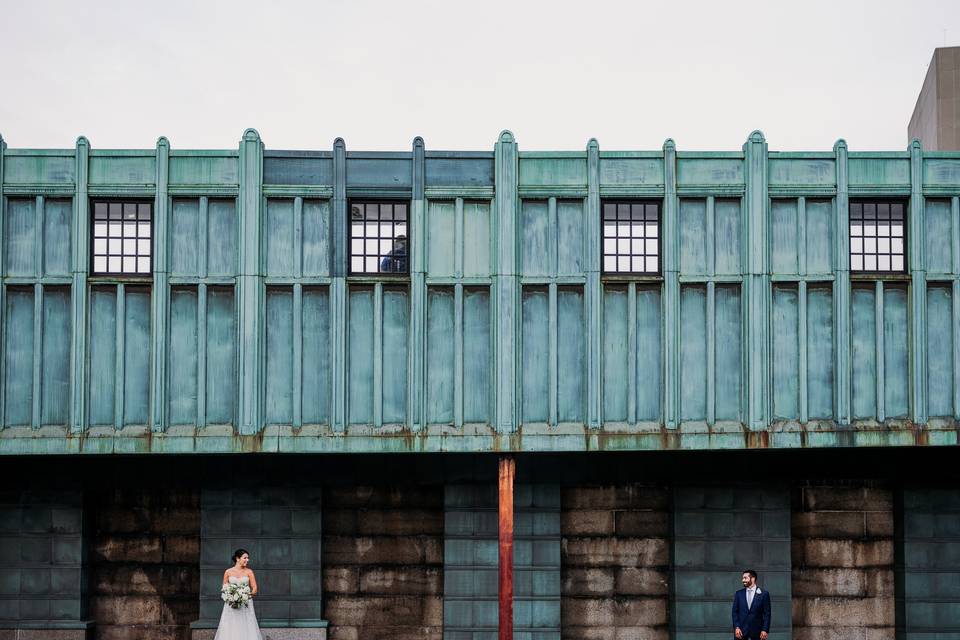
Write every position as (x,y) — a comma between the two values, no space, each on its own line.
(236,594)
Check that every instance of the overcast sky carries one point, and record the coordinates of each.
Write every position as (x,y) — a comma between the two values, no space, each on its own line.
(379,73)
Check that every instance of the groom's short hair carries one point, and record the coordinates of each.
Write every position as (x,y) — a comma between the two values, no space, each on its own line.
(753,574)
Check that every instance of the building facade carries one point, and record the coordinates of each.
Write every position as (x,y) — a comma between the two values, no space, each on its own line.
(936,116)
(608,381)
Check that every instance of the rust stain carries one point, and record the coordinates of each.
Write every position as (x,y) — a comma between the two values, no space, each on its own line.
(507,471)
(758,439)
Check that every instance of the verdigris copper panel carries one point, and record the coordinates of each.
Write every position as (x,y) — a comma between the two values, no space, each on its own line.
(37,169)
(298,167)
(550,171)
(123,169)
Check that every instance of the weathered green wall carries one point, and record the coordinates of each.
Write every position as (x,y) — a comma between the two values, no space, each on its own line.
(250,336)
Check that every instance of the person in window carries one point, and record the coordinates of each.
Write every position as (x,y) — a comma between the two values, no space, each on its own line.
(396,260)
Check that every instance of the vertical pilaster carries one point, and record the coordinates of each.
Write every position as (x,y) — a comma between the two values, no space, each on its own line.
(955,243)
(418,289)
(338,286)
(78,295)
(505,283)
(841,289)
(756,321)
(594,290)
(160,296)
(671,288)
(249,284)
(918,290)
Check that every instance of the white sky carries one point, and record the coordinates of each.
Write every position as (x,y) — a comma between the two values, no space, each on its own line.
(379,73)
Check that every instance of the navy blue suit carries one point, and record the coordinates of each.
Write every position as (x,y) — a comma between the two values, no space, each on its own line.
(754,619)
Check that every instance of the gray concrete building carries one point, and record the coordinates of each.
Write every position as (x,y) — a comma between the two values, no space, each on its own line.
(936,116)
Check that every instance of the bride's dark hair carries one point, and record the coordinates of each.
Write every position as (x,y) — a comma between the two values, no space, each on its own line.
(238,554)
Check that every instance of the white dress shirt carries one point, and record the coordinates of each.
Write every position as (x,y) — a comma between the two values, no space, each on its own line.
(751,591)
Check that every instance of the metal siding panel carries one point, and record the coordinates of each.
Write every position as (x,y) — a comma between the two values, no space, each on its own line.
(184,231)
(786,355)
(820,352)
(182,354)
(535,235)
(477,355)
(783,236)
(693,353)
(222,238)
(728,230)
(20,237)
(316,238)
(649,354)
(55,383)
(441,243)
(136,383)
(316,355)
(18,356)
(938,236)
(864,357)
(615,354)
(440,355)
(571,232)
(819,236)
(476,227)
(56,237)
(221,337)
(279,370)
(102,354)
(279,241)
(729,353)
(535,357)
(895,352)
(693,237)
(939,350)
(571,355)
(396,332)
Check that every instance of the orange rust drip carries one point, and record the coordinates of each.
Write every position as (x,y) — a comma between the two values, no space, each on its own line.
(508,470)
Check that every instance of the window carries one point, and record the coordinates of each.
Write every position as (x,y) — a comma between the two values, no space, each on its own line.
(378,237)
(631,237)
(121,238)
(877,237)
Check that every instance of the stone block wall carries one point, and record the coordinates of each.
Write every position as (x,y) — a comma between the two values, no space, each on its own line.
(383,562)
(145,563)
(843,563)
(615,558)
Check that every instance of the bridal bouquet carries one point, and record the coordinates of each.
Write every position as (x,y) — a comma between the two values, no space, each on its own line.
(236,594)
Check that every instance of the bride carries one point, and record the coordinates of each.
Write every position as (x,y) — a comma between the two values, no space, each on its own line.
(239,624)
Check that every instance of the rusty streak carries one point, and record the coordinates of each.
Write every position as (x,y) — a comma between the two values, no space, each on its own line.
(507,471)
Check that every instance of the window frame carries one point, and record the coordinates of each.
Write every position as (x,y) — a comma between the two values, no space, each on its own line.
(874,274)
(91,237)
(388,275)
(633,275)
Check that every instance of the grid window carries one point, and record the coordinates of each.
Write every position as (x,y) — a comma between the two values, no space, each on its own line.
(378,237)
(631,237)
(877,237)
(121,238)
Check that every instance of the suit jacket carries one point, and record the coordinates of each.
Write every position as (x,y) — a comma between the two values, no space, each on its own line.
(754,619)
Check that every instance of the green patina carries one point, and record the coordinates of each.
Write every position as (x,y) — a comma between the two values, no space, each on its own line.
(506,335)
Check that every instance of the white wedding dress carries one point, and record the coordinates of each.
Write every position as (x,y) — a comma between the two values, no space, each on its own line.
(238,624)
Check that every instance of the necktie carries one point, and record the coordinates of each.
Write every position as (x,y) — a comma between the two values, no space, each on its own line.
(750,593)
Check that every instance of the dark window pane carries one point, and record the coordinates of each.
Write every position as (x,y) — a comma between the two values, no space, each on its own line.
(876,237)
(630,232)
(378,237)
(116,249)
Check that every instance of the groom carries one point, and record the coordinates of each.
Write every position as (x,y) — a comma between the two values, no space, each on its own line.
(751,610)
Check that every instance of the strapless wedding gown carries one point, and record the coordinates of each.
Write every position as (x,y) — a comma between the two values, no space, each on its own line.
(238,624)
